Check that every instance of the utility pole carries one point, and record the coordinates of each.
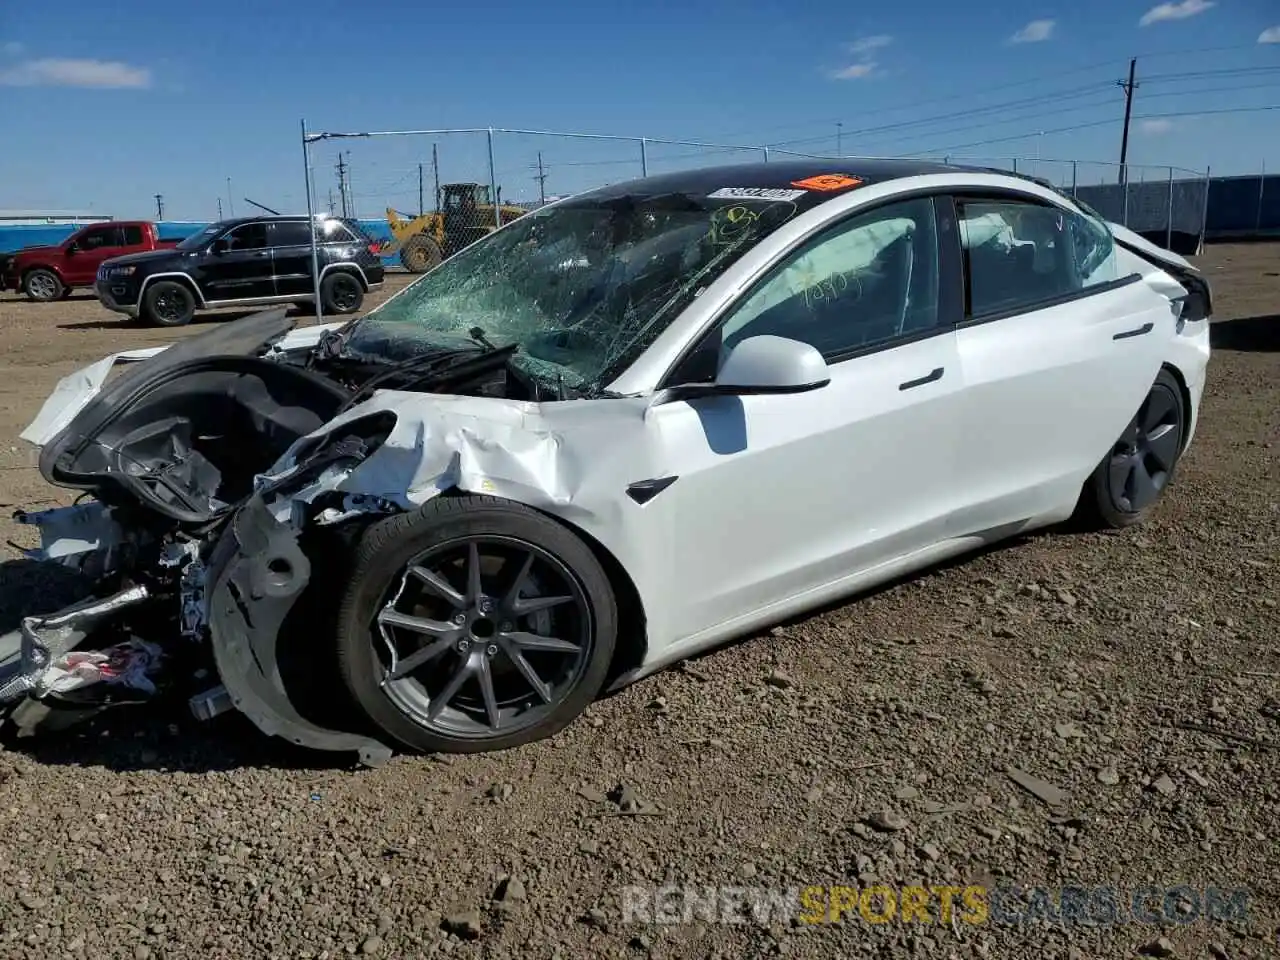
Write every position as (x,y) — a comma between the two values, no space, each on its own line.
(231,204)
(219,208)
(1128,86)
(839,139)
(159,206)
(420,190)
(542,181)
(435,171)
(331,207)
(342,182)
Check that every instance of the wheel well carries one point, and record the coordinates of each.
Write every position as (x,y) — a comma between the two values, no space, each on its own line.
(180,279)
(48,268)
(1186,397)
(347,268)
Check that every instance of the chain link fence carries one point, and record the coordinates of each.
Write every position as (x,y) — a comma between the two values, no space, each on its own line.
(424,194)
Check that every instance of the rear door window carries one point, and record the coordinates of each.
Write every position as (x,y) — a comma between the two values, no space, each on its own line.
(1020,254)
(290,233)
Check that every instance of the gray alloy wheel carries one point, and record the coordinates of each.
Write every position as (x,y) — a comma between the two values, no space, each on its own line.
(474,624)
(523,648)
(42,285)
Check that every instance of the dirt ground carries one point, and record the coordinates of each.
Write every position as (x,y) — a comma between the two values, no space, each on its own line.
(1139,673)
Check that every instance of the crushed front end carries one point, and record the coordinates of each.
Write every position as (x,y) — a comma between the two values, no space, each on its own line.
(224,480)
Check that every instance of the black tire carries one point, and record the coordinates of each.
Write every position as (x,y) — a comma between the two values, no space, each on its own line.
(380,568)
(43,286)
(420,253)
(168,303)
(1117,493)
(341,292)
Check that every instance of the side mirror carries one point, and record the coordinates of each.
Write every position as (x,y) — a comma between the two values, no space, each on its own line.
(768,364)
(218,247)
(73,248)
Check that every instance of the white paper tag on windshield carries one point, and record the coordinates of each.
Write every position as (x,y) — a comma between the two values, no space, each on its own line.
(755,193)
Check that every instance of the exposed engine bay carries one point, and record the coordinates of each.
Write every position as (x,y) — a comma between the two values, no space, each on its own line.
(189,554)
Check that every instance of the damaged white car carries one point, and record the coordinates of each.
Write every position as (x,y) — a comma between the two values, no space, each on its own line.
(621,429)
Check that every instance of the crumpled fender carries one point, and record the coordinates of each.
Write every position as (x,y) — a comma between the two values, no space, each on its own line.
(256,573)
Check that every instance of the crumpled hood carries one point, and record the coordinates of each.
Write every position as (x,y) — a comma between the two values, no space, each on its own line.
(243,337)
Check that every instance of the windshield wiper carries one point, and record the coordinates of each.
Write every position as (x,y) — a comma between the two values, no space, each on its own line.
(455,362)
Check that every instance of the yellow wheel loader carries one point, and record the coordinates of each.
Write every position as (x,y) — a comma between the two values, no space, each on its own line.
(464,215)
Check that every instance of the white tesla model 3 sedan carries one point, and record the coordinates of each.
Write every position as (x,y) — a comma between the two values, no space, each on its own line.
(619,430)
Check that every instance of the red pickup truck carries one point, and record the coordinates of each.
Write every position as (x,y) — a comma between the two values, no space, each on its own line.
(50,273)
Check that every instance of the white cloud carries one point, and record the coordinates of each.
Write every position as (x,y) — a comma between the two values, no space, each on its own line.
(11,49)
(1175,11)
(855,71)
(1270,35)
(1034,32)
(58,72)
(1155,127)
(863,49)
(870,44)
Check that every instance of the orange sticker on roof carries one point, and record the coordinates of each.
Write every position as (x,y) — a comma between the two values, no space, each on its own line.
(827,181)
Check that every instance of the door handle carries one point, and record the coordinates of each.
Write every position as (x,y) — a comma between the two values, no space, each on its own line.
(935,374)
(1135,332)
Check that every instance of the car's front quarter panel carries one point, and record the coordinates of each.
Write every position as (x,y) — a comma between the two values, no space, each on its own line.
(571,459)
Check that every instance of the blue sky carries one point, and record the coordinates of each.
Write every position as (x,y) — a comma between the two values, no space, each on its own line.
(106,105)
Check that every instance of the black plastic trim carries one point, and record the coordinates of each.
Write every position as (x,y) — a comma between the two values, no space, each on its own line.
(642,491)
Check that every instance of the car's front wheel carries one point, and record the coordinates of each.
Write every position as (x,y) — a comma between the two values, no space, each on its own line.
(341,292)
(474,624)
(168,304)
(43,286)
(1137,470)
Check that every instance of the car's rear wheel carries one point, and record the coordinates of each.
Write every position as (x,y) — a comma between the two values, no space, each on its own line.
(1141,464)
(168,304)
(474,624)
(43,286)
(341,292)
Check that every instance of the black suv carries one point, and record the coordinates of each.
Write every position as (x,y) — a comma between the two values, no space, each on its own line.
(244,262)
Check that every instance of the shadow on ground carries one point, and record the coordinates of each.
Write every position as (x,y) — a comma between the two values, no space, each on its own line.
(1248,334)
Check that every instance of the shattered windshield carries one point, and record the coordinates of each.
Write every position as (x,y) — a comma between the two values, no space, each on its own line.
(582,287)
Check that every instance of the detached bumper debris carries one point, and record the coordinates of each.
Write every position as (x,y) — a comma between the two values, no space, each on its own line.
(47,662)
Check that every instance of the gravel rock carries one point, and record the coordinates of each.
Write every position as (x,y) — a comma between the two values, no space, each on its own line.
(886,821)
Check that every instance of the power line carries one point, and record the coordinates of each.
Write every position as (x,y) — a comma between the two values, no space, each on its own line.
(1055,97)
(1099,123)
(996,88)
(1202,74)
